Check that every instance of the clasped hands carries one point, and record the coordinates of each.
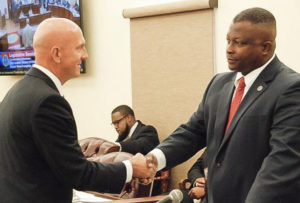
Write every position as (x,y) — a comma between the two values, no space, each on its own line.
(144,167)
(198,190)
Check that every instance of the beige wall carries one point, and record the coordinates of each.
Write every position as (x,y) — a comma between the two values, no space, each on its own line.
(171,64)
(288,28)
(107,82)
(108,79)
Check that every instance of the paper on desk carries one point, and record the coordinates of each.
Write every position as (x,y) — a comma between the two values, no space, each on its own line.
(83,197)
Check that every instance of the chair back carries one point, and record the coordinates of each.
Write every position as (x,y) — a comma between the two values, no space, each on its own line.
(94,146)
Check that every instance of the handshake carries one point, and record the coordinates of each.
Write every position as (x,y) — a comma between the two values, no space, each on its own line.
(101,150)
(144,167)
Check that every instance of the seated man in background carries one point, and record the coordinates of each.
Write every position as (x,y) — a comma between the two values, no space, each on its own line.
(134,136)
(197,177)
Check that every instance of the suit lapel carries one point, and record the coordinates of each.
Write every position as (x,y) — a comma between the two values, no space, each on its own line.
(254,92)
(223,110)
(137,129)
(259,86)
(39,74)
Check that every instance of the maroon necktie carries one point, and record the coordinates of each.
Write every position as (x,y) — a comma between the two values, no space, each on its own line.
(236,101)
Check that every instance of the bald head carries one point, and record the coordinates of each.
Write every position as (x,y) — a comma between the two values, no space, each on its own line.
(52,31)
(53,43)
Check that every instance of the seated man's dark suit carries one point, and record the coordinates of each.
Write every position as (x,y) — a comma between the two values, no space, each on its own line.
(196,171)
(143,140)
(258,159)
(40,159)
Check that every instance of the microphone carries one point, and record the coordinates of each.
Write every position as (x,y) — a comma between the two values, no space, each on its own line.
(175,196)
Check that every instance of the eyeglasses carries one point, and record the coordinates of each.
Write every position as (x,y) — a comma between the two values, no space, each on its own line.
(118,121)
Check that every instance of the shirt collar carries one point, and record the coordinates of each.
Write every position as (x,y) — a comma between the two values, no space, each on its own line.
(54,79)
(132,129)
(251,77)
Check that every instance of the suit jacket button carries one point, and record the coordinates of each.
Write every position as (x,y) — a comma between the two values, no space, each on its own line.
(218,164)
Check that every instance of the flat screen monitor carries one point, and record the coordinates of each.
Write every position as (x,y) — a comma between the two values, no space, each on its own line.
(19,20)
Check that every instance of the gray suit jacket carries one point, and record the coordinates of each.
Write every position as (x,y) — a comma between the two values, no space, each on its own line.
(40,159)
(258,160)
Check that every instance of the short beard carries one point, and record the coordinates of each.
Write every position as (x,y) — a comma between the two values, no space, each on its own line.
(125,133)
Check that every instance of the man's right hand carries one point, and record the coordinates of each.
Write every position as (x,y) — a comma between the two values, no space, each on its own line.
(144,167)
(197,192)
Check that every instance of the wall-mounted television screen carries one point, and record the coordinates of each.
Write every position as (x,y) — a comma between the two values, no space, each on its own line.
(18,22)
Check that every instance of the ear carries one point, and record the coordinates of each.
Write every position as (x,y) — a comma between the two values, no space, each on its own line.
(267,47)
(130,118)
(56,54)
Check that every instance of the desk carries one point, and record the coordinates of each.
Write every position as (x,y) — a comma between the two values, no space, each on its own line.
(105,195)
(81,196)
(24,9)
(62,12)
(35,19)
(141,199)
(133,200)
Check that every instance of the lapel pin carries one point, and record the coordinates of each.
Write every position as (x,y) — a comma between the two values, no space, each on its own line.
(259,88)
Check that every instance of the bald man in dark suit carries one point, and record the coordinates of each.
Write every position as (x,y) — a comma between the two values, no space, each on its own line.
(40,159)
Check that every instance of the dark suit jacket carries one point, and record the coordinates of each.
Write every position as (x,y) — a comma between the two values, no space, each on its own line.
(258,160)
(143,140)
(197,170)
(40,159)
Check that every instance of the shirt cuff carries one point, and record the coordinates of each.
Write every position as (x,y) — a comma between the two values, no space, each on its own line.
(129,170)
(161,158)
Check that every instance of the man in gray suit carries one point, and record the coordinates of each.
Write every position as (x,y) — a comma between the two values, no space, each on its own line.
(40,159)
(249,119)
